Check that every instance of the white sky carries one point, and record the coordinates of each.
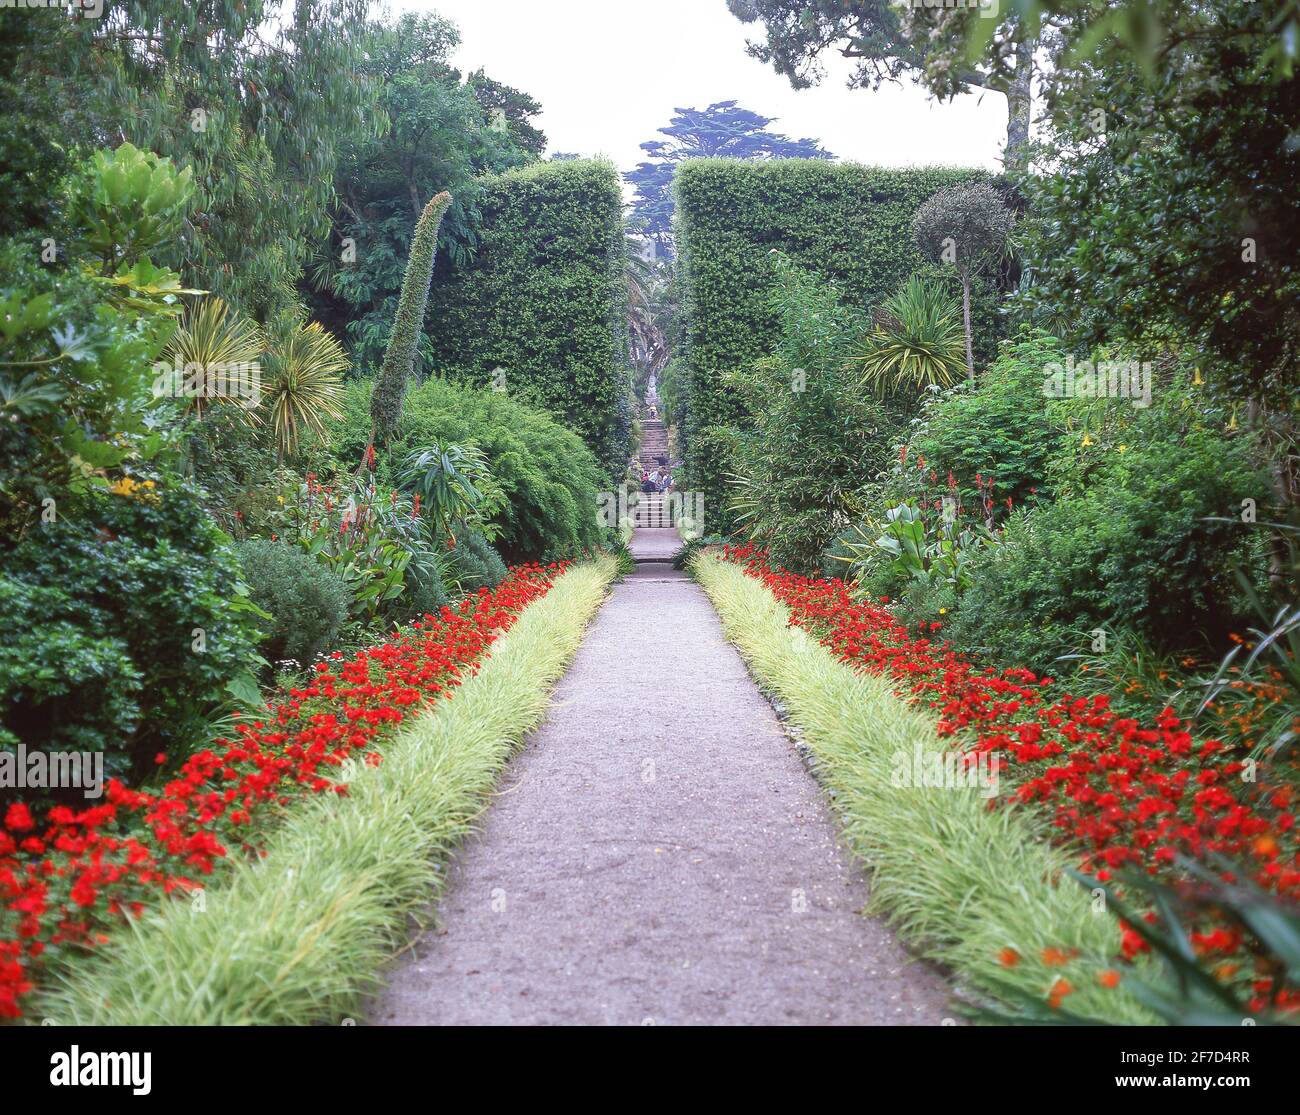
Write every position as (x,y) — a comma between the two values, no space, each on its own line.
(609,74)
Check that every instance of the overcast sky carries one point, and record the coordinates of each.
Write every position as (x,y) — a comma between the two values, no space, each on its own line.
(610,72)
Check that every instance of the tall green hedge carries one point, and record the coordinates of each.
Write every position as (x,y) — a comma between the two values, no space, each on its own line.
(545,301)
(849,223)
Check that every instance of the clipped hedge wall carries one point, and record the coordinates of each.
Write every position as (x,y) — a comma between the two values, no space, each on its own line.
(850,223)
(545,300)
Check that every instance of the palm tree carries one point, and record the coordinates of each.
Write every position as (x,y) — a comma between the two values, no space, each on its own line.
(644,293)
(918,340)
(303,384)
(214,342)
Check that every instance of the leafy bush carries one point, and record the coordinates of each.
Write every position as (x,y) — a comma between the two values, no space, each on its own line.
(850,224)
(147,612)
(1133,550)
(76,398)
(1002,429)
(307,602)
(476,564)
(66,688)
(131,201)
(548,478)
(544,300)
(814,436)
(426,593)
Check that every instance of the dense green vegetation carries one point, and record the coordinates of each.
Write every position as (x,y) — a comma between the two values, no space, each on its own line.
(546,476)
(167,394)
(541,311)
(850,224)
(303,345)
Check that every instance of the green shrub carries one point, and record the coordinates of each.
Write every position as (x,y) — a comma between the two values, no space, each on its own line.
(851,224)
(1003,429)
(549,479)
(425,592)
(307,602)
(476,564)
(923,603)
(142,593)
(1134,550)
(76,390)
(544,300)
(64,688)
(814,437)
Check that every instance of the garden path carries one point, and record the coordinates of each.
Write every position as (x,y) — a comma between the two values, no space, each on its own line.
(657,854)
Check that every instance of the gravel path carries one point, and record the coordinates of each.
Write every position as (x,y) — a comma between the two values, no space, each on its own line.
(658,854)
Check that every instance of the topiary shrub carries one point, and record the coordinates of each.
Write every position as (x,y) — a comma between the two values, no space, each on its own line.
(850,224)
(965,226)
(541,310)
(308,603)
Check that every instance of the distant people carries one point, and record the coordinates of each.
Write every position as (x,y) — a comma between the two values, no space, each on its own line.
(647,485)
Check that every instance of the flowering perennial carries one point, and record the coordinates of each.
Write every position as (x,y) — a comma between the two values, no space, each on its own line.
(68,877)
(1127,794)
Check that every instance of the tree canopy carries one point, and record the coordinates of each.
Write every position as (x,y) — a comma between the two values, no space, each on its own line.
(722,130)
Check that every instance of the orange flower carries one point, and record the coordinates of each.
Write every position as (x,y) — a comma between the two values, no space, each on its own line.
(1060,989)
(1266,847)
(1008,958)
(1054,958)
(1109,978)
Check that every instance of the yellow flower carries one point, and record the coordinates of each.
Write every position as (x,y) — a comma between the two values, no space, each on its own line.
(280,499)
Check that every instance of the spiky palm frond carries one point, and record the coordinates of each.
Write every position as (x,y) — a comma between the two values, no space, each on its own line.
(304,384)
(917,340)
(213,342)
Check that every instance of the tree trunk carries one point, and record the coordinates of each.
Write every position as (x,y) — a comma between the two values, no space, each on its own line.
(965,314)
(1015,158)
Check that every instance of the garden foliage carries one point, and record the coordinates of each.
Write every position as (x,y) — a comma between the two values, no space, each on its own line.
(849,223)
(540,312)
(307,603)
(813,437)
(548,479)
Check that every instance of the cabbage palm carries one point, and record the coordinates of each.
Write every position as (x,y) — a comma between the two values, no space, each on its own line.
(917,340)
(303,384)
(213,340)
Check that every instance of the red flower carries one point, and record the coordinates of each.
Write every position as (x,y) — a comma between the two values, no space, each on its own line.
(89,869)
(18,818)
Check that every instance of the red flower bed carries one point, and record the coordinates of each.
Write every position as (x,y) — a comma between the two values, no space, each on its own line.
(1127,794)
(65,879)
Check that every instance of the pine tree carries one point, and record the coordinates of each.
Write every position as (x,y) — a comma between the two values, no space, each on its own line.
(399,357)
